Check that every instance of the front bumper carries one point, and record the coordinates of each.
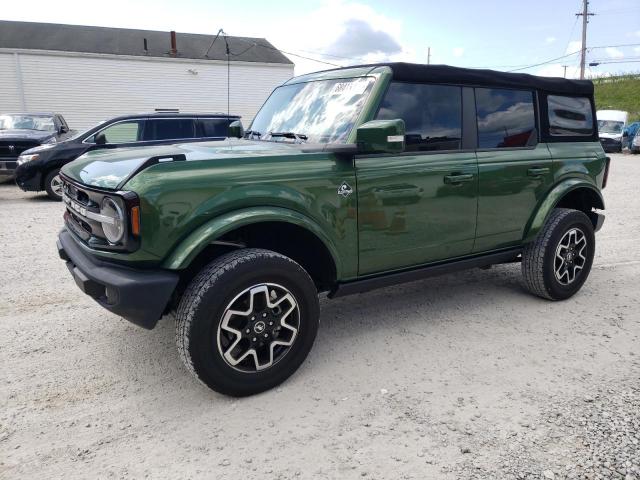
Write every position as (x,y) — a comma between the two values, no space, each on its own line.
(140,296)
(611,145)
(28,177)
(8,166)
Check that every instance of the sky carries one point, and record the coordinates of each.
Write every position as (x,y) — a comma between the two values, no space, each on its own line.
(503,34)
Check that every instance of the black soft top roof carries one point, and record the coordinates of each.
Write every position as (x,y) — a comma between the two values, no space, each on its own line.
(415,72)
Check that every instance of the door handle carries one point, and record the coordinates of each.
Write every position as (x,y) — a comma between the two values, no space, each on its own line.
(456,178)
(537,171)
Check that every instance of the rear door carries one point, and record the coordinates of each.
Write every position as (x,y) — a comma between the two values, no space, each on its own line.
(419,206)
(514,169)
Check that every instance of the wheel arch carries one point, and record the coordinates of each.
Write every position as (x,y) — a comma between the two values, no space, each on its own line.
(274,228)
(573,193)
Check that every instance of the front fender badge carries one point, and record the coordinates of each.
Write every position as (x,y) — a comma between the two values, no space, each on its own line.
(345,190)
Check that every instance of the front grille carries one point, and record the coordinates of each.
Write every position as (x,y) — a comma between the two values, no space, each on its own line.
(11,149)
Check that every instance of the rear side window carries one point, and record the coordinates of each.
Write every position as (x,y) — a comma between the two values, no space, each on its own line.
(213,127)
(169,129)
(506,118)
(432,114)
(569,116)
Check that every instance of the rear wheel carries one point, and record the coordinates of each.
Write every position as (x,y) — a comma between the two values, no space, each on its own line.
(53,185)
(247,321)
(558,262)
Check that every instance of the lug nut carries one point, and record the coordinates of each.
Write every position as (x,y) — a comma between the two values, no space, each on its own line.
(248,331)
(270,323)
(254,339)
(264,315)
(266,335)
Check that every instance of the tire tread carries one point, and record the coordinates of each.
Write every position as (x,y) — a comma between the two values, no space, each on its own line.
(534,253)
(206,279)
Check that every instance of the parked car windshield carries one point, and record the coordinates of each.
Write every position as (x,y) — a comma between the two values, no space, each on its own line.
(610,126)
(322,111)
(27,122)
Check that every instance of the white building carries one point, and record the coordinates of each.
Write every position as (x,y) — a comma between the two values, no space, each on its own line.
(89,74)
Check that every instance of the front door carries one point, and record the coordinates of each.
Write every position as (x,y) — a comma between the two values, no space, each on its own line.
(419,206)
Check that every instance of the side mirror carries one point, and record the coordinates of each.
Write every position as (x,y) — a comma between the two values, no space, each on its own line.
(236,129)
(381,136)
(100,139)
(63,129)
(625,134)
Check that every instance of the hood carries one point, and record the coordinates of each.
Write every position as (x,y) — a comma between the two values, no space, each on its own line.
(112,168)
(615,136)
(21,134)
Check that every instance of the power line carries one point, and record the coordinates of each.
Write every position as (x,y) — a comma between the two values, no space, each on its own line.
(545,62)
(525,67)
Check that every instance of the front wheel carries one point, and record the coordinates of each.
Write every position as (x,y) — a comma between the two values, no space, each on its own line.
(558,262)
(53,185)
(247,321)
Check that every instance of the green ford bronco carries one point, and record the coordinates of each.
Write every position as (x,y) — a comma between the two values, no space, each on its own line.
(348,180)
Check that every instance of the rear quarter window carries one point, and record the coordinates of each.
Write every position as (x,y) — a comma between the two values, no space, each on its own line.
(213,127)
(569,116)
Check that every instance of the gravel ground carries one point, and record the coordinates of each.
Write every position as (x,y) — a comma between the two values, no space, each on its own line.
(461,376)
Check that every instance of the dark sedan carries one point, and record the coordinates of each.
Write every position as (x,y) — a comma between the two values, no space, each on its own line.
(38,168)
(22,131)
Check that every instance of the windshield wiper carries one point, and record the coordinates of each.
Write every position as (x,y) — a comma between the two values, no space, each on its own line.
(295,136)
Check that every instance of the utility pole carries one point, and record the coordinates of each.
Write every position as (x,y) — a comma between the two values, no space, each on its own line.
(585,19)
(428,55)
(565,70)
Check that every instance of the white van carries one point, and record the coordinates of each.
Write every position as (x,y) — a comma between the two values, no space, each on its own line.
(611,124)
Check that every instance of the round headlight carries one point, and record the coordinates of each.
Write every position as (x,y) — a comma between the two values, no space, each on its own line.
(112,230)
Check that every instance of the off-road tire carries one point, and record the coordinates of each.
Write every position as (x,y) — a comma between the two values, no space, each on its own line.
(207,297)
(48,179)
(538,257)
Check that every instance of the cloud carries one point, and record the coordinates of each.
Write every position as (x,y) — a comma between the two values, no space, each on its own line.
(573,46)
(458,52)
(359,39)
(550,40)
(613,52)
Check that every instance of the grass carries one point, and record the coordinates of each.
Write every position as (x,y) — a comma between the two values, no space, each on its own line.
(619,93)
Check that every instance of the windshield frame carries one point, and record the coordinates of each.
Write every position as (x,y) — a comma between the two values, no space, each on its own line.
(13,116)
(380,77)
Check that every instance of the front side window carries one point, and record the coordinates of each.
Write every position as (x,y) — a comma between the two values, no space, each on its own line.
(123,132)
(506,118)
(27,122)
(169,129)
(432,114)
(322,111)
(569,116)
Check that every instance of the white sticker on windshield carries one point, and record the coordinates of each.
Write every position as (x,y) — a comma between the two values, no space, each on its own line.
(354,87)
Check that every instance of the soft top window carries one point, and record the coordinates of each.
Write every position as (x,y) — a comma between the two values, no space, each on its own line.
(569,116)
(506,118)
(432,114)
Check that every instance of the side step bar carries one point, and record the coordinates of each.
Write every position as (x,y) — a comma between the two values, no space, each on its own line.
(386,280)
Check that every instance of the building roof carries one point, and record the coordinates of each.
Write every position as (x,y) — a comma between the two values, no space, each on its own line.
(414,72)
(124,41)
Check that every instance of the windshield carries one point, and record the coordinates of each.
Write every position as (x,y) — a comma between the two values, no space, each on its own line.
(610,126)
(322,111)
(27,122)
